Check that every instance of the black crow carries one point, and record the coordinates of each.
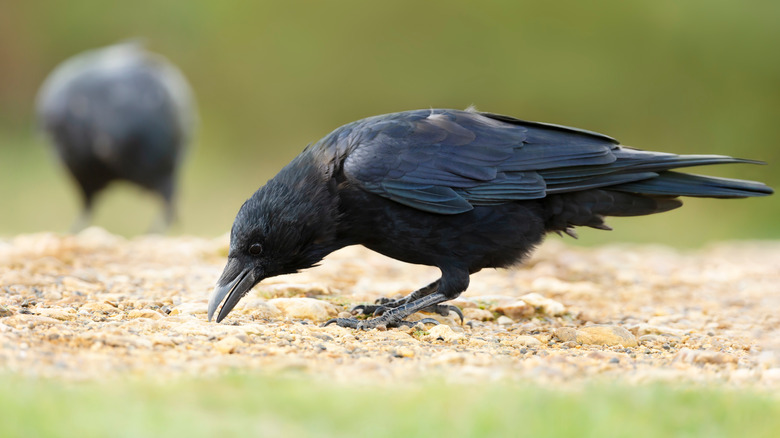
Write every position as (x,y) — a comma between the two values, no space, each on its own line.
(459,190)
(118,113)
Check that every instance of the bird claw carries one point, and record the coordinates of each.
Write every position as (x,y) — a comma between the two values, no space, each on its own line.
(369,309)
(379,309)
(445,310)
(360,309)
(381,305)
(381,323)
(342,322)
(422,321)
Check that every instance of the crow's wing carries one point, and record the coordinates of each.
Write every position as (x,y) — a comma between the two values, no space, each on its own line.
(446,161)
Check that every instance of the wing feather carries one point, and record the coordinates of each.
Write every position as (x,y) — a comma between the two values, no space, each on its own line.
(448,161)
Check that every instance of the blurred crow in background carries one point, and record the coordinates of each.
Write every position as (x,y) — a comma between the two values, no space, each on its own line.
(118,113)
(459,190)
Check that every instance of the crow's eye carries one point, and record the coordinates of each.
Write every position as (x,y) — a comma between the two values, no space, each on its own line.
(255,249)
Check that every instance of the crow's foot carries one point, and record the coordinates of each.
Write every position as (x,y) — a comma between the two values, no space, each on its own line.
(381,323)
(369,309)
(444,310)
(395,317)
(381,307)
(383,304)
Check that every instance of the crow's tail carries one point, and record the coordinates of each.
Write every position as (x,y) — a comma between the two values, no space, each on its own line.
(648,172)
(654,191)
(669,183)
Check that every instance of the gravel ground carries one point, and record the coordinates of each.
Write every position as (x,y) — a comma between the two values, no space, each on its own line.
(96,305)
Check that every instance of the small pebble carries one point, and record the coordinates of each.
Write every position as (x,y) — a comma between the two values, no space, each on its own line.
(63,314)
(477,314)
(597,335)
(649,329)
(144,313)
(504,320)
(304,308)
(522,341)
(228,345)
(29,320)
(403,352)
(98,307)
(288,290)
(190,308)
(544,304)
(648,339)
(258,308)
(704,357)
(442,332)
(516,310)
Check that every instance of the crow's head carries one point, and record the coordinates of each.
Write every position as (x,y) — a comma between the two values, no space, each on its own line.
(287,225)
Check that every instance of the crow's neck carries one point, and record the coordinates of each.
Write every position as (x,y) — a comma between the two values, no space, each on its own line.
(302,200)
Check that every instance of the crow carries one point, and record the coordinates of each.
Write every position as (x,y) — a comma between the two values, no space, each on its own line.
(458,190)
(118,113)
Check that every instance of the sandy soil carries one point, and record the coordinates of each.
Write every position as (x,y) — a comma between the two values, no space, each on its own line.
(96,305)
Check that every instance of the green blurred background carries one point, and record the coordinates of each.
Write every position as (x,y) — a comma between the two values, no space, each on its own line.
(687,77)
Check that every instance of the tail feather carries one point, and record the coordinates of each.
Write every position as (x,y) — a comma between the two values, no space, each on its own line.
(682,184)
(636,159)
(647,172)
(577,184)
(635,184)
(632,160)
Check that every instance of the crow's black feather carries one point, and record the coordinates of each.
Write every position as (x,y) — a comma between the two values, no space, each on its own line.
(118,113)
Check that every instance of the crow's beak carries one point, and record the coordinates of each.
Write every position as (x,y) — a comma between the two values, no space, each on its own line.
(234,283)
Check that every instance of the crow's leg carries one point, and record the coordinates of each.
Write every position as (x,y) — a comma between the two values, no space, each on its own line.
(168,215)
(161,224)
(81,222)
(85,217)
(450,285)
(387,303)
(384,304)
